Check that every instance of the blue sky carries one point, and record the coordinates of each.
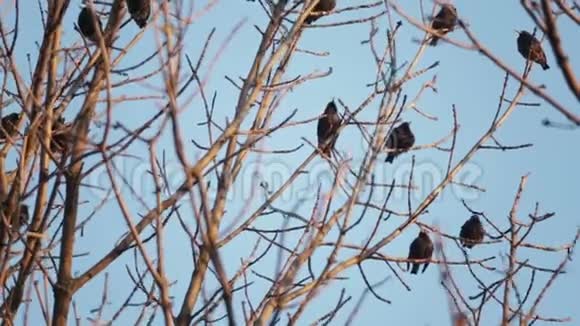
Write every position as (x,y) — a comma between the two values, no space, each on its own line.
(464,79)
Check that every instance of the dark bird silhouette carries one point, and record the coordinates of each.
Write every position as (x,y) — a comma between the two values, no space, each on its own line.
(321,6)
(328,129)
(86,21)
(530,48)
(61,137)
(8,124)
(400,140)
(444,21)
(140,10)
(471,232)
(421,248)
(23,217)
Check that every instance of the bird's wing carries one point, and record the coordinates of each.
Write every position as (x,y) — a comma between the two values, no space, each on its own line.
(411,139)
(324,129)
(428,249)
(464,230)
(414,248)
(390,143)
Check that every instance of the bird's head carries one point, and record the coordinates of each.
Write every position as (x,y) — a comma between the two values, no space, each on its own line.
(12,117)
(330,107)
(405,125)
(450,7)
(474,218)
(524,34)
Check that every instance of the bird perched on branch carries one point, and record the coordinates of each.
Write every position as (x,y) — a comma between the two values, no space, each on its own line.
(328,129)
(421,248)
(140,10)
(88,23)
(321,6)
(400,140)
(23,215)
(61,137)
(530,48)
(471,232)
(8,126)
(444,21)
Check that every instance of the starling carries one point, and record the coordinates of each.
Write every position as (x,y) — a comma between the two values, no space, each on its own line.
(23,217)
(87,21)
(328,129)
(61,137)
(401,140)
(421,248)
(8,124)
(444,21)
(140,11)
(471,232)
(321,6)
(530,48)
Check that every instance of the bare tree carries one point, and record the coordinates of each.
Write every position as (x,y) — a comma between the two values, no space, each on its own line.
(61,181)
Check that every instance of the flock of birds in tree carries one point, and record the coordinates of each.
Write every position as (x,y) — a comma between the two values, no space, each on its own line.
(400,140)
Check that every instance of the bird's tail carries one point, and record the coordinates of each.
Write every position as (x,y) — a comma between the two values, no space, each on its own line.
(434,41)
(467,243)
(545,66)
(141,22)
(390,158)
(310,19)
(415,269)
